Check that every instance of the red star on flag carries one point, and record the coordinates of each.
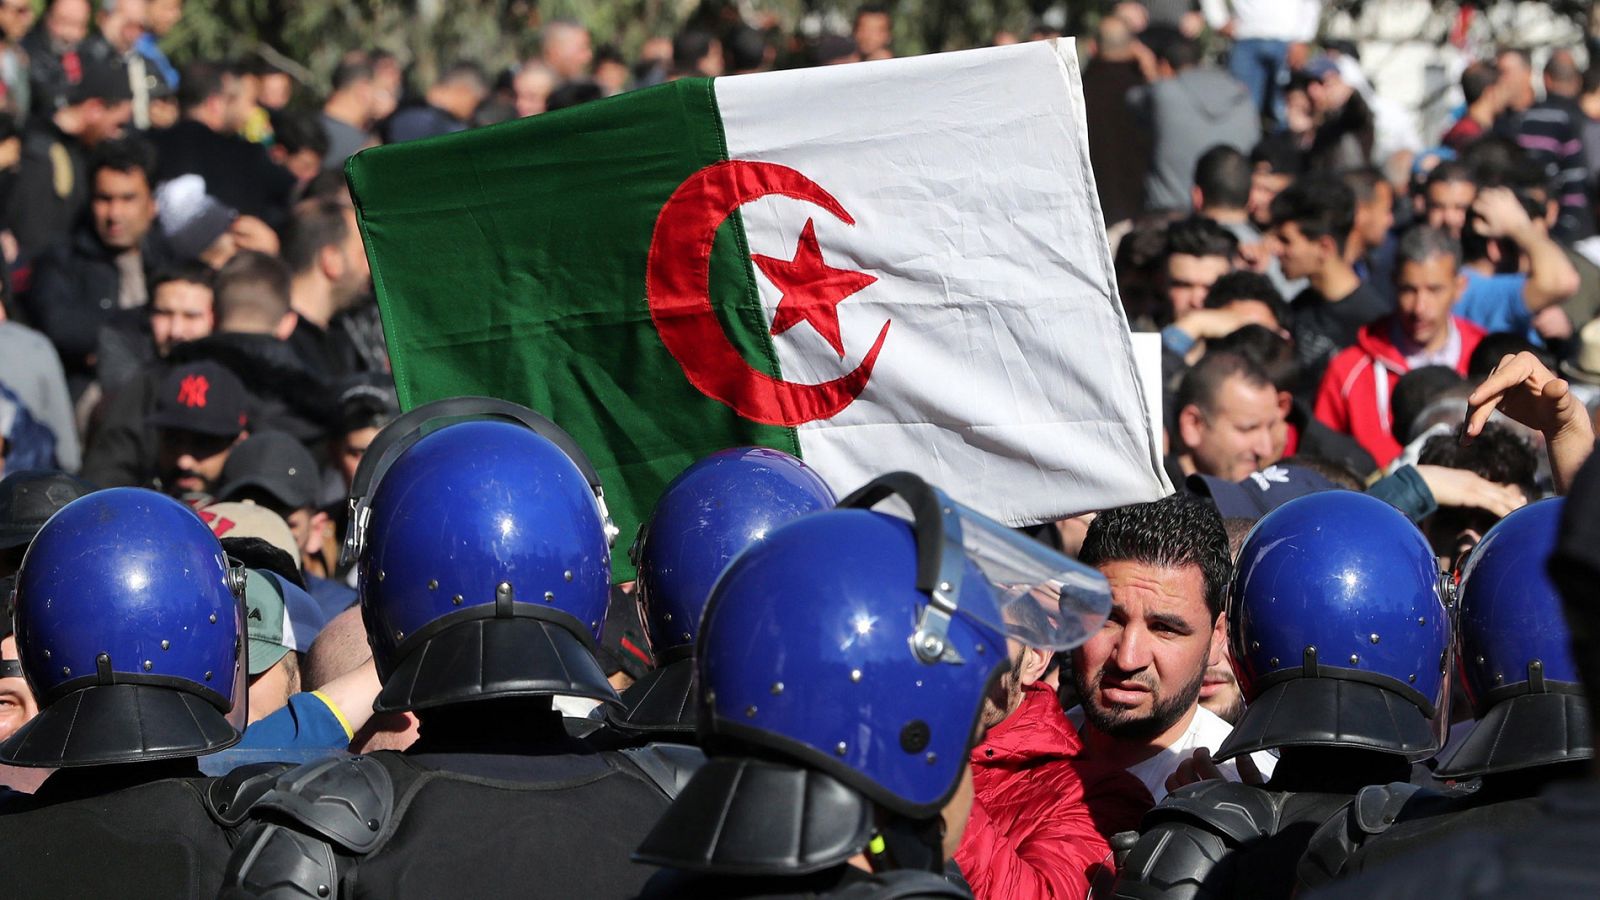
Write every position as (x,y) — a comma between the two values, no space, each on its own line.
(812,290)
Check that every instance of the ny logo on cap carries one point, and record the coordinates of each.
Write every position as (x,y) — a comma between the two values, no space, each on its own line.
(192,392)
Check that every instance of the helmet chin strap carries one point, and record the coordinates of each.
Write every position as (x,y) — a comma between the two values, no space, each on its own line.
(941,557)
(902,843)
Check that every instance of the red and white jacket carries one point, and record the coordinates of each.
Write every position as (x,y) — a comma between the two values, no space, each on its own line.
(1354,396)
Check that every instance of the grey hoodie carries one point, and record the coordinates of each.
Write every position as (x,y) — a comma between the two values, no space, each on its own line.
(1187,115)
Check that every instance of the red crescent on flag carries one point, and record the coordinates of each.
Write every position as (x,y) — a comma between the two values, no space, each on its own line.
(678,280)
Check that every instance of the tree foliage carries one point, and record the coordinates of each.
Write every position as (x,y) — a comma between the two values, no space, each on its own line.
(433,33)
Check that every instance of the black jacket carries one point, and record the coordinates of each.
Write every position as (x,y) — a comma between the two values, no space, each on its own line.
(285,396)
(52,189)
(237,172)
(74,294)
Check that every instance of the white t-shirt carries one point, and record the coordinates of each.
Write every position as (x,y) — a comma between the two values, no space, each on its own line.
(1206,729)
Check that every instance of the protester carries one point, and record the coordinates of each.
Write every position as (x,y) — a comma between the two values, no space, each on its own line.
(1227,411)
(1312,220)
(1354,396)
(1192,108)
(1139,678)
(105,266)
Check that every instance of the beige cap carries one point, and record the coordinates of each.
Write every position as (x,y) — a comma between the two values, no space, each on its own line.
(232,519)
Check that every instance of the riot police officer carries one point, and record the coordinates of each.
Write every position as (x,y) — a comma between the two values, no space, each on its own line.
(483,574)
(843,665)
(1341,641)
(131,635)
(1551,855)
(1533,727)
(708,514)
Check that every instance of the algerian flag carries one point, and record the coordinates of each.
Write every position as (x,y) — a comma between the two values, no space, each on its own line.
(881,266)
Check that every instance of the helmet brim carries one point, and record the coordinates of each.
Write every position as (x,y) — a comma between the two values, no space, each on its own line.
(723,821)
(1332,712)
(119,723)
(484,658)
(1522,732)
(659,704)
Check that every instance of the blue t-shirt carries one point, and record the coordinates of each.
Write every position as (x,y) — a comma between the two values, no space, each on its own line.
(1494,303)
(308,722)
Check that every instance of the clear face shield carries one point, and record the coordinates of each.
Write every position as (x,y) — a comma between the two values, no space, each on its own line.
(1042,599)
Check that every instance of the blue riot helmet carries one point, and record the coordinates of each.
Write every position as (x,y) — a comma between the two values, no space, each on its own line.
(843,664)
(1515,654)
(131,634)
(1340,629)
(484,560)
(715,508)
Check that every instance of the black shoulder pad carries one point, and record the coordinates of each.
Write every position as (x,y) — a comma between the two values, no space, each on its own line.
(1237,812)
(903,885)
(1377,806)
(346,801)
(668,766)
(279,863)
(229,798)
(1173,860)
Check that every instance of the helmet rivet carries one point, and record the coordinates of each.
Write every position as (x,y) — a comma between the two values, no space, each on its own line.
(66,670)
(777,688)
(1480,660)
(914,736)
(148,665)
(1422,620)
(1273,662)
(1373,638)
(166,645)
(750,711)
(322,890)
(932,758)
(1254,646)
(47,654)
(433,584)
(944,585)
(666,617)
(1412,679)
(372,824)
(980,648)
(380,574)
(1354,659)
(567,574)
(1499,678)
(398,635)
(840,748)
(595,626)
(549,596)
(456,599)
(212,618)
(855,674)
(208,676)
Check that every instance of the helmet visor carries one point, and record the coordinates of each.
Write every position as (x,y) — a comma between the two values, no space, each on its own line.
(1046,600)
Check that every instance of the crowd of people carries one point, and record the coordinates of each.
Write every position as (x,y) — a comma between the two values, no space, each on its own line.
(246,654)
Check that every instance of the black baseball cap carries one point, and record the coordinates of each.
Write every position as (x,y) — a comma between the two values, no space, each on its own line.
(275,463)
(27,499)
(105,78)
(203,397)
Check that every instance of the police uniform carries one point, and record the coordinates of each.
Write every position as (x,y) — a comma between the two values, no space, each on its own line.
(129,629)
(130,830)
(825,750)
(1533,728)
(484,564)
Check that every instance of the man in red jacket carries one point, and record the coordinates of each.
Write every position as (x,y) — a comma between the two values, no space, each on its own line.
(1030,834)
(1354,396)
